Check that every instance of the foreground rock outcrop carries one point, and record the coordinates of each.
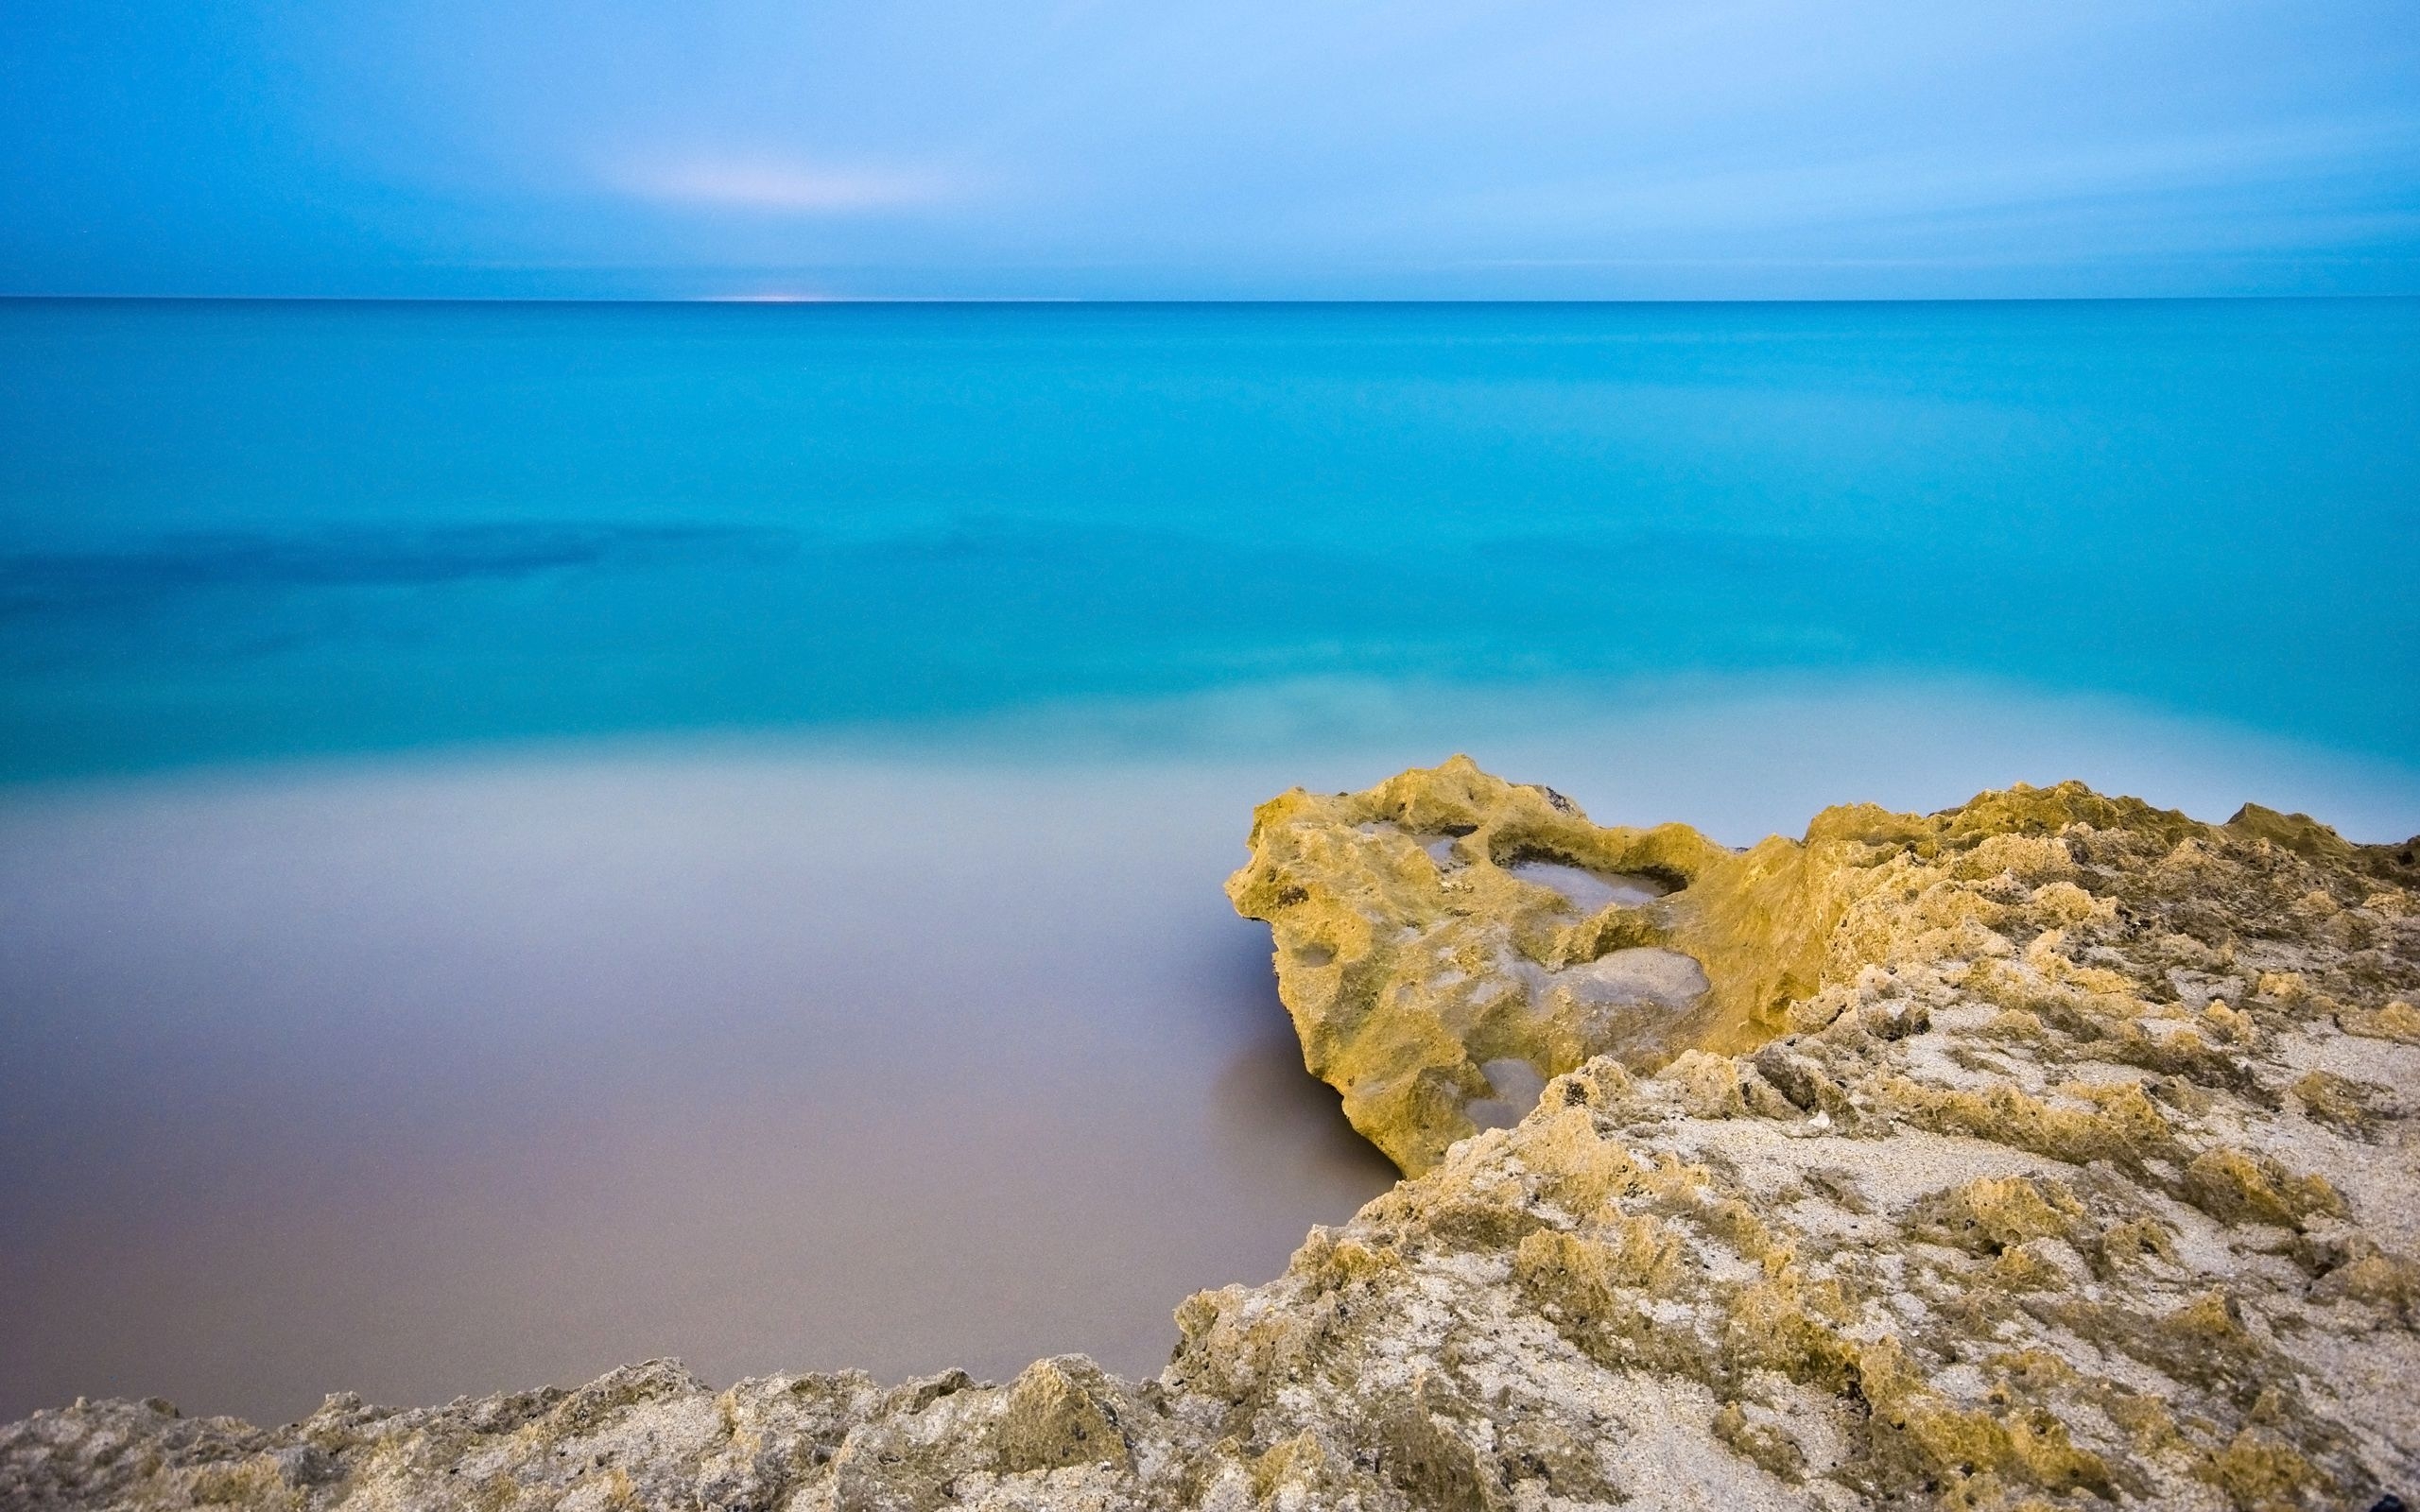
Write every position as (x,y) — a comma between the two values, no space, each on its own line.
(1447,933)
(2050,1151)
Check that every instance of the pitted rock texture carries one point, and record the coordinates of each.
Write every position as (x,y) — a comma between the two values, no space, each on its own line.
(2081,1172)
(1447,928)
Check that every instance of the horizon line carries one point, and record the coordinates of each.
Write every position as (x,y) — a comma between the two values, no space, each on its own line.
(15,298)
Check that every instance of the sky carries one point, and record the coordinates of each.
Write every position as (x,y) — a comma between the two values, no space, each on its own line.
(1250,148)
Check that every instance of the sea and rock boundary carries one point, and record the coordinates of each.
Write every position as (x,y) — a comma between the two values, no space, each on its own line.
(2050,1151)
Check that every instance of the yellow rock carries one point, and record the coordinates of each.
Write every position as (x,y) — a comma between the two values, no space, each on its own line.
(1446,929)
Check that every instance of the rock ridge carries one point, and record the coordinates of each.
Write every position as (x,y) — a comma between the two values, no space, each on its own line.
(2049,1151)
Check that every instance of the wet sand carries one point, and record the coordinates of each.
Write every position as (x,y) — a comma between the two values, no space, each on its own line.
(433,1077)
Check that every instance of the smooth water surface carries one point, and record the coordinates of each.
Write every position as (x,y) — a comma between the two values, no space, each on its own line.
(536,836)
(236,530)
(435,1081)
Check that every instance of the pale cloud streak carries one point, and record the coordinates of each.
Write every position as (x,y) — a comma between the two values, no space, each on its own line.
(1106,150)
(780,187)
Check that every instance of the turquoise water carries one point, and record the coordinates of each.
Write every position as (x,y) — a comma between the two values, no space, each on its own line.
(765,903)
(240,531)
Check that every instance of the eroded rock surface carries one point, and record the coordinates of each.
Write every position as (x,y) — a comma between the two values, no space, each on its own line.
(1446,923)
(2066,1157)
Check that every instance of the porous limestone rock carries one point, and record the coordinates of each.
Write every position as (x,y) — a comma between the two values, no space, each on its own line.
(2057,1152)
(1446,930)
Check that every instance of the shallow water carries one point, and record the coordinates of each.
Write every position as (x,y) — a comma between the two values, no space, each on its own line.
(1588,890)
(1516,1084)
(534,837)
(420,1082)
(439,1076)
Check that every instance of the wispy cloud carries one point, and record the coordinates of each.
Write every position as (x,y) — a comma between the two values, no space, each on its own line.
(1961,179)
(796,188)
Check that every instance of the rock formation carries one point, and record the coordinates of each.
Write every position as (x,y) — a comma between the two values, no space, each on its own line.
(2050,1151)
(1446,932)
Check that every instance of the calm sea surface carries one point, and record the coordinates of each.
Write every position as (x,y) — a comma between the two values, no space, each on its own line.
(534,837)
(236,531)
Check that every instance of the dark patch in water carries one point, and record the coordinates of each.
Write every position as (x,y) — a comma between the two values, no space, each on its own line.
(31,582)
(1264,1100)
(1265,1103)
(1232,958)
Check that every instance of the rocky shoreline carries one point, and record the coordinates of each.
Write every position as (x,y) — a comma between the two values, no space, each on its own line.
(2049,1151)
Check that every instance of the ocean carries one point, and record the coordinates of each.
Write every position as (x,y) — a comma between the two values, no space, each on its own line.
(261,531)
(537,836)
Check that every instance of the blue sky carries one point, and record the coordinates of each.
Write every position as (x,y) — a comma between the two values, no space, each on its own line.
(1714,148)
